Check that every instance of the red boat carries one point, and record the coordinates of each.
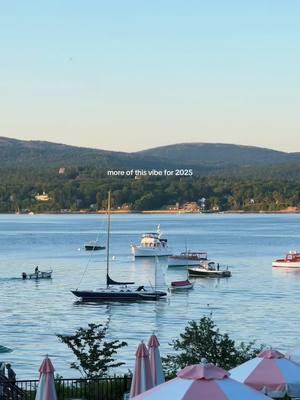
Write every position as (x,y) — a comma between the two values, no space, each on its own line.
(182,285)
(291,260)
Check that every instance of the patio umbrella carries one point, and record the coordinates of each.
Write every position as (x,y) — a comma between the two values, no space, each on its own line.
(142,378)
(202,382)
(155,361)
(4,349)
(271,373)
(46,387)
(294,354)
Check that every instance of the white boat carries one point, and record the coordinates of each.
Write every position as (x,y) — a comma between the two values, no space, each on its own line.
(38,275)
(209,269)
(291,260)
(152,245)
(187,258)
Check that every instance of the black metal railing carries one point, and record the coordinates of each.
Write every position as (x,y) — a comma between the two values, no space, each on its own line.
(112,388)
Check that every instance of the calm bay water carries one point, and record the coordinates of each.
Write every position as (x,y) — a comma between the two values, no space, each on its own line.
(255,303)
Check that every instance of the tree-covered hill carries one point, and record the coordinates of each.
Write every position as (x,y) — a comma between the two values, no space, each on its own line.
(203,157)
(29,168)
(220,154)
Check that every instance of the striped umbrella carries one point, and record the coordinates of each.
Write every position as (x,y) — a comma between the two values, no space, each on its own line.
(202,382)
(155,361)
(46,386)
(142,378)
(271,373)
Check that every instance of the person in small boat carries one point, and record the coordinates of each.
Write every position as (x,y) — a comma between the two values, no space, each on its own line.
(36,271)
(24,275)
(218,267)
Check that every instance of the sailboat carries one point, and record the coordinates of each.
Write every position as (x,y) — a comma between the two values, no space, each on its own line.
(118,291)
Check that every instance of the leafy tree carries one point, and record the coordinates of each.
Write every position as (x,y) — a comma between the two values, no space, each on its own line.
(203,340)
(95,354)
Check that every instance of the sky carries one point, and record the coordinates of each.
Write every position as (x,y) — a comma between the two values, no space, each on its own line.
(134,74)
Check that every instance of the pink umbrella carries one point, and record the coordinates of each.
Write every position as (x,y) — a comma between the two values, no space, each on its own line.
(46,387)
(202,382)
(155,361)
(271,373)
(142,378)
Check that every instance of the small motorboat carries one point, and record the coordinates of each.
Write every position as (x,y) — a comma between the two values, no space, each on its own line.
(187,258)
(291,260)
(181,285)
(209,269)
(38,275)
(93,245)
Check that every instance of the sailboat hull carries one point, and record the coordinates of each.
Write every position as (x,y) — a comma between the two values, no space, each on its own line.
(121,296)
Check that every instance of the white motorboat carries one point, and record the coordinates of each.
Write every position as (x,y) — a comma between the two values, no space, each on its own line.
(38,275)
(152,245)
(209,269)
(187,258)
(291,260)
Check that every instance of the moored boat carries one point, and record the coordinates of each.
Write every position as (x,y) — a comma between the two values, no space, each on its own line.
(181,285)
(118,291)
(209,269)
(93,245)
(152,245)
(291,260)
(187,258)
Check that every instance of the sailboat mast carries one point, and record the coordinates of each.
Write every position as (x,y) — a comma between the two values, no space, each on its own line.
(155,276)
(108,237)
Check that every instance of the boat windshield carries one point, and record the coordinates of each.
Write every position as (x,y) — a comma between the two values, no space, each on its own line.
(150,235)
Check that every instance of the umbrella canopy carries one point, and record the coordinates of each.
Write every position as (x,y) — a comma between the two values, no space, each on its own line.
(202,382)
(294,354)
(142,378)
(157,372)
(4,349)
(46,387)
(271,373)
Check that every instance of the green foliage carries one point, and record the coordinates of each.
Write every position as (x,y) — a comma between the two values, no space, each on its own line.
(203,340)
(95,354)
(86,188)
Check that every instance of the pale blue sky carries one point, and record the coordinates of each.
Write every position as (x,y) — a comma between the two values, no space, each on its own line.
(128,75)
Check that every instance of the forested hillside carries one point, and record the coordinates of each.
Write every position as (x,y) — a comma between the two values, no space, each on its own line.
(31,168)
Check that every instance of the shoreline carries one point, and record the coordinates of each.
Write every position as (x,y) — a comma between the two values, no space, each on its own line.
(149,212)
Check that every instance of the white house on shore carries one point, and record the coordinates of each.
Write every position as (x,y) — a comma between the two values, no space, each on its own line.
(42,197)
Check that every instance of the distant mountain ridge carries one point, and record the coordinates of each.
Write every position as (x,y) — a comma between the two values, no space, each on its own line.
(220,154)
(14,152)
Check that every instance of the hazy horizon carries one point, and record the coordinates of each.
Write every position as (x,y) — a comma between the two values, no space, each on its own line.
(127,76)
(148,148)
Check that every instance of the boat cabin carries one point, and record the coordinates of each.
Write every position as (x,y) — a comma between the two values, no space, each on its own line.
(292,256)
(194,255)
(153,239)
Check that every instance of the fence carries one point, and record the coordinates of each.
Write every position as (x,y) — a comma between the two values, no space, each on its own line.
(112,388)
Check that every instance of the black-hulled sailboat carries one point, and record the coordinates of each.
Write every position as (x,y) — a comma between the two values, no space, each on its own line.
(118,291)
